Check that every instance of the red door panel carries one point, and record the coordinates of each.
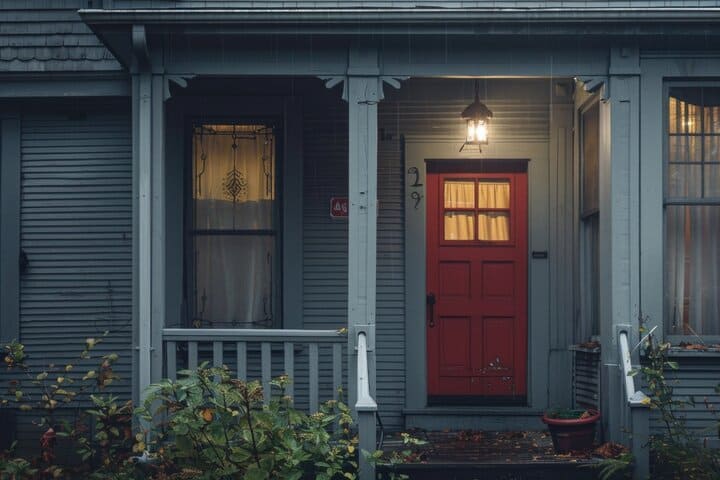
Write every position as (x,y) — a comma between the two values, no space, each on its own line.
(477,286)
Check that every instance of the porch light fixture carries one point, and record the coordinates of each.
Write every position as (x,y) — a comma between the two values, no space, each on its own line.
(477,116)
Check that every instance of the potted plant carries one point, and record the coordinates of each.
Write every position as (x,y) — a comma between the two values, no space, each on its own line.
(571,429)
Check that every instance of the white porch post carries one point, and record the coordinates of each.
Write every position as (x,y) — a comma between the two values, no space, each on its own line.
(362,95)
(363,90)
(620,245)
(149,216)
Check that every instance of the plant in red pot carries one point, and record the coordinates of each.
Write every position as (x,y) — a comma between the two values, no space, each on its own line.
(572,430)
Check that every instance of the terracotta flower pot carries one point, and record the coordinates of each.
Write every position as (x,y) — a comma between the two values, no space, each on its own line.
(572,434)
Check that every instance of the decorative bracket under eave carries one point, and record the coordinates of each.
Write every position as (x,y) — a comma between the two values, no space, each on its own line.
(596,84)
(140,46)
(393,81)
(179,80)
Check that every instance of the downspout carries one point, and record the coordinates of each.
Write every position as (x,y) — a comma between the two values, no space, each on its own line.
(142,140)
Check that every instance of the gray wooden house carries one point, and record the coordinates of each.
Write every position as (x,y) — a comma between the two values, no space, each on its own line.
(468,187)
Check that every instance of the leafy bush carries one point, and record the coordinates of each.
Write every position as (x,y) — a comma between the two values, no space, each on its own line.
(676,453)
(98,438)
(214,427)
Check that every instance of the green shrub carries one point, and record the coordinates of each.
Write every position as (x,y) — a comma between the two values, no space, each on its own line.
(675,453)
(215,427)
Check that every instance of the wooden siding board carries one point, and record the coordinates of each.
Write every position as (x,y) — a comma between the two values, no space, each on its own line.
(76,211)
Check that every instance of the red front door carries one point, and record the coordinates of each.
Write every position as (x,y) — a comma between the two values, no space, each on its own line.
(477,286)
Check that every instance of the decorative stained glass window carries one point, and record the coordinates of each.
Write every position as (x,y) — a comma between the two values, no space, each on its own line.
(234,218)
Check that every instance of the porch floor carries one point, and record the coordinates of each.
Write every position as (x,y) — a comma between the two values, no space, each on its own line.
(459,455)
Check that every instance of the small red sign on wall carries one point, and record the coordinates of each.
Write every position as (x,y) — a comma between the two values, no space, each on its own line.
(339,207)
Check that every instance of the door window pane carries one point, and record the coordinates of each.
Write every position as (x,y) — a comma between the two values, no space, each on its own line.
(233,244)
(494,226)
(459,194)
(233,177)
(459,226)
(233,281)
(494,194)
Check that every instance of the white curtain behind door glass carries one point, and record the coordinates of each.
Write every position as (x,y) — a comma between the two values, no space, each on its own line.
(459,194)
(233,273)
(494,226)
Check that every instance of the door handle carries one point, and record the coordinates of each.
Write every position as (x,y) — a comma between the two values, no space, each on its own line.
(430,300)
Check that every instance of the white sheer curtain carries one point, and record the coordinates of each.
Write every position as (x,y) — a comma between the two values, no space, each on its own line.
(233,194)
(692,237)
(492,226)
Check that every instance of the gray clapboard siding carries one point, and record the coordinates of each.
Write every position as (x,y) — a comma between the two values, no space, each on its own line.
(697,377)
(417,4)
(76,229)
(325,245)
(48,35)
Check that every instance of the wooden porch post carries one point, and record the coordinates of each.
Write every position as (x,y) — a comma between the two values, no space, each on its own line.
(149,216)
(620,245)
(363,91)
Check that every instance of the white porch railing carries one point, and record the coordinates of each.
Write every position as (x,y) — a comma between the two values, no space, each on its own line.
(258,351)
(366,409)
(635,412)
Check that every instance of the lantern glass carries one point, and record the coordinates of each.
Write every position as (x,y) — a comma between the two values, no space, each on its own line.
(477,131)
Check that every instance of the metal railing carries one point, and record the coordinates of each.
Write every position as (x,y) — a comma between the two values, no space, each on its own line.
(257,350)
(635,415)
(366,409)
(635,398)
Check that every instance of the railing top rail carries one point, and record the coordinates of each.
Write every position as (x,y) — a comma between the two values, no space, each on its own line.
(635,398)
(253,335)
(365,401)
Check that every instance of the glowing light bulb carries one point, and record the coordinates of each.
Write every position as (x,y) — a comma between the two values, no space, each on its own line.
(481,132)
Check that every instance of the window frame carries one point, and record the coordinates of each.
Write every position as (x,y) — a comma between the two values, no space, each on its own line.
(588,312)
(679,201)
(188,215)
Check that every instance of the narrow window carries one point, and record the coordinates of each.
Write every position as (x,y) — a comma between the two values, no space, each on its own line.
(234,242)
(590,219)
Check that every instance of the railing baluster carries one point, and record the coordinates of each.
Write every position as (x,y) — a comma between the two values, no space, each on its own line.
(171,351)
(337,368)
(217,354)
(266,366)
(313,379)
(192,355)
(289,353)
(241,360)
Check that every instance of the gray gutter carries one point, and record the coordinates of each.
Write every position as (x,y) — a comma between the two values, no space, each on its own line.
(399,16)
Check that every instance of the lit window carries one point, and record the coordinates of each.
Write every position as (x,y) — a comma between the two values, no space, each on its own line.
(233,240)
(692,211)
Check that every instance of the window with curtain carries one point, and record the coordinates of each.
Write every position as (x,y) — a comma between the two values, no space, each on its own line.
(233,244)
(476,210)
(692,211)
(590,220)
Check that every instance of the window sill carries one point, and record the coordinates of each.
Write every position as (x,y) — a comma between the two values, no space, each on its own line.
(710,351)
(585,347)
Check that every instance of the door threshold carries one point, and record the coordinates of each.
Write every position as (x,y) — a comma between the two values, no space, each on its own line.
(477,401)
(461,410)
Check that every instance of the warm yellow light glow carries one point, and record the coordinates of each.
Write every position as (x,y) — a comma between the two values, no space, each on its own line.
(481,132)
(477,131)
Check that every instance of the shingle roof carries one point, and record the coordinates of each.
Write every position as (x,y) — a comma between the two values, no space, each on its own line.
(48,35)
